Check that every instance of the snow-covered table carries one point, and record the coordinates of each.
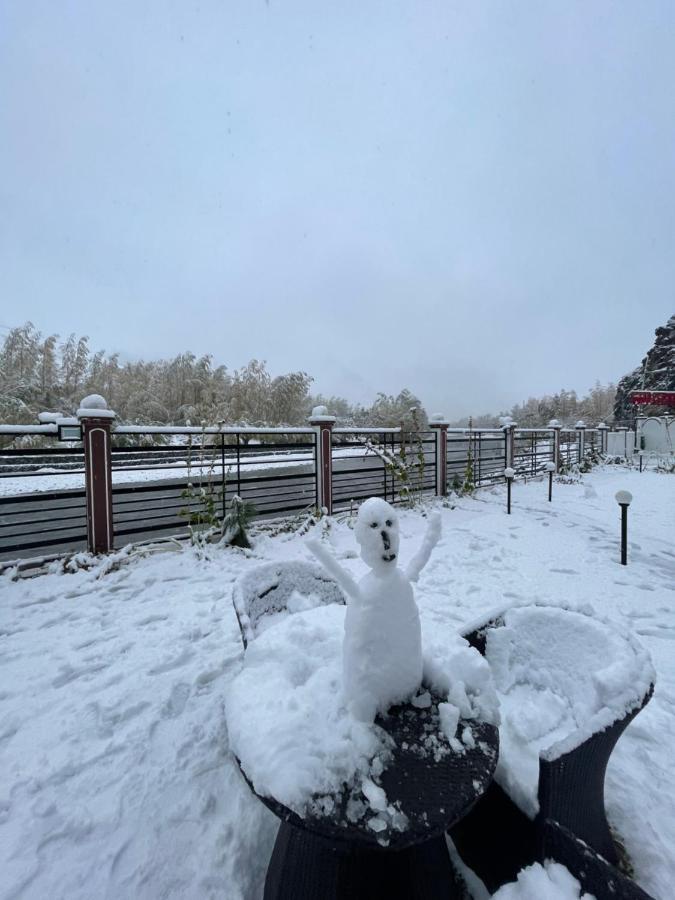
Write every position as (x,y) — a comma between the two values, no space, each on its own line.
(362,806)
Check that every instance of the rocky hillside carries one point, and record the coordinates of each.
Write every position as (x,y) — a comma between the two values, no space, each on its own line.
(656,372)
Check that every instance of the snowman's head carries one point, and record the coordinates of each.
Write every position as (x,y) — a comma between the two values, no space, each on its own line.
(377,533)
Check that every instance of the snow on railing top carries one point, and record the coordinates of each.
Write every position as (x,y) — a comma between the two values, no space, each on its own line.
(28,429)
(235,429)
(208,429)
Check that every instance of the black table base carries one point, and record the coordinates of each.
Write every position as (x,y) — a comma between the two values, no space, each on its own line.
(315,868)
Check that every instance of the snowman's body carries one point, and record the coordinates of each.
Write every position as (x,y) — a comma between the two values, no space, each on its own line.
(382,648)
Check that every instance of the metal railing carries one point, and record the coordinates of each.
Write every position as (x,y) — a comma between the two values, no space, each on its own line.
(383,463)
(157,474)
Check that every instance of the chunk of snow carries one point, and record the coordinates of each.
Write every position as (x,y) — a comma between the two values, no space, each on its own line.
(549,881)
(422,701)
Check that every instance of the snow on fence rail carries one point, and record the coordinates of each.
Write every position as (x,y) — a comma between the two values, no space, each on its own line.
(53,495)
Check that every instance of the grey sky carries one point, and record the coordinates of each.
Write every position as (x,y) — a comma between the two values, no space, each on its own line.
(475,200)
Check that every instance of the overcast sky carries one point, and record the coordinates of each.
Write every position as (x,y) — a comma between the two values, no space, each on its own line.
(475,200)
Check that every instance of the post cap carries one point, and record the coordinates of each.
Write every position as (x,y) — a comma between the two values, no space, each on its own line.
(509,472)
(623,498)
(320,415)
(580,424)
(554,423)
(550,467)
(94,406)
(439,419)
(602,425)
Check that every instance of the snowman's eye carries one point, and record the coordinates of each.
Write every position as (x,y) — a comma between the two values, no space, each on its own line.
(373,524)
(388,523)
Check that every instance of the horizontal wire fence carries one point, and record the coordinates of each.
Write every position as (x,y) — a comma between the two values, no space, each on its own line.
(161,475)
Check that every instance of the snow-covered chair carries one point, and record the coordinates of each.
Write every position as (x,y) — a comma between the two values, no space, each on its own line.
(568,686)
(274,590)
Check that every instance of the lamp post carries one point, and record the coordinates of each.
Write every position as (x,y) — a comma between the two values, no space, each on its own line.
(623,498)
(550,468)
(641,454)
(509,474)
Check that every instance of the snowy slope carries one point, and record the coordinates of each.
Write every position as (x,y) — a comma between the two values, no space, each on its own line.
(116,777)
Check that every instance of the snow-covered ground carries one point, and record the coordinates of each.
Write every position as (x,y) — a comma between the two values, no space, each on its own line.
(116,776)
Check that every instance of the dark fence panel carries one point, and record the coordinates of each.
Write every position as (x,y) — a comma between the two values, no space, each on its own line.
(364,465)
(475,457)
(532,450)
(46,522)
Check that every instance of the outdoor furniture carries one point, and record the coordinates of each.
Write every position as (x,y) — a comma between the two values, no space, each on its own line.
(601,680)
(262,595)
(320,857)
(328,852)
(596,875)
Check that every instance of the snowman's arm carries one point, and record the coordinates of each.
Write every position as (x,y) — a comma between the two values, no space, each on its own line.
(421,558)
(332,566)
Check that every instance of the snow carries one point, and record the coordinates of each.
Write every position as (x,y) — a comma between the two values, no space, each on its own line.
(69,479)
(117,776)
(548,882)
(382,651)
(289,690)
(269,592)
(561,676)
(94,412)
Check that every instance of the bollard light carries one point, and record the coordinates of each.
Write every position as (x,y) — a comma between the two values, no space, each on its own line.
(509,474)
(550,468)
(624,498)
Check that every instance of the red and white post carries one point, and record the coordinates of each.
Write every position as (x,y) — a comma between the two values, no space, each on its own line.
(323,424)
(96,421)
(439,425)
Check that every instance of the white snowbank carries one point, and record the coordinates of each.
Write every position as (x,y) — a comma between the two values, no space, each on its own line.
(117,780)
(548,882)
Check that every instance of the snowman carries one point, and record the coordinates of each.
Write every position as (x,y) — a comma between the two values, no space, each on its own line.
(382,648)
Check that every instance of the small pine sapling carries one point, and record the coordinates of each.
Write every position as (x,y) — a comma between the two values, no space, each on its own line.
(237,521)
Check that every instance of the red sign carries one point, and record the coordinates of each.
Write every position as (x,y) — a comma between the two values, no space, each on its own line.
(653,398)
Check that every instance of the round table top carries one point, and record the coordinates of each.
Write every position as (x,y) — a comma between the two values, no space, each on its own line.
(431,782)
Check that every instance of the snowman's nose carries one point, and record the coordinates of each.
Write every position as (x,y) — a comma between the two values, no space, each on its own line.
(385,539)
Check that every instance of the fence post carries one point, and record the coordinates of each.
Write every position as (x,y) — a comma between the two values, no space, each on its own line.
(603,429)
(323,424)
(96,421)
(511,446)
(439,425)
(555,425)
(581,434)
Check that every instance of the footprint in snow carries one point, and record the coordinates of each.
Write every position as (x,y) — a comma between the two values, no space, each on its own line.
(175,705)
(176,663)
